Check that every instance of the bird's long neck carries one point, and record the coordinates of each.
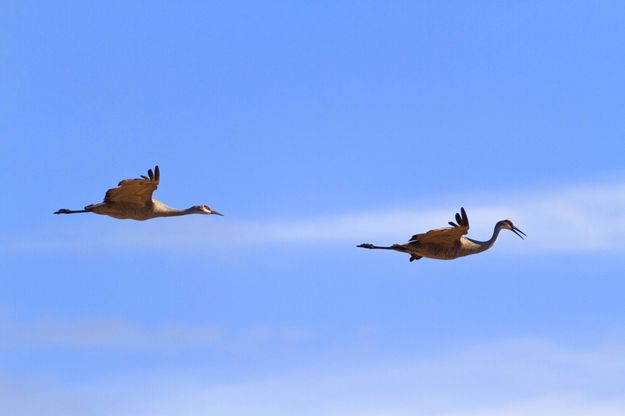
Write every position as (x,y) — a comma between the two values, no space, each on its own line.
(173,212)
(485,245)
(167,211)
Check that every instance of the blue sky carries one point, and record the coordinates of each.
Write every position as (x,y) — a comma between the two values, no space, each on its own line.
(314,127)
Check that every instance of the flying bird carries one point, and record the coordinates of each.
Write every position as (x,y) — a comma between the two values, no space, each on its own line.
(132,199)
(448,243)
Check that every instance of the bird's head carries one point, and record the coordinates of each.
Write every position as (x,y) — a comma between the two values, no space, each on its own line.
(507,225)
(204,209)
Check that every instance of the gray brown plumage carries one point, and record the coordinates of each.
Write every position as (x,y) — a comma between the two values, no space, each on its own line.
(448,243)
(132,199)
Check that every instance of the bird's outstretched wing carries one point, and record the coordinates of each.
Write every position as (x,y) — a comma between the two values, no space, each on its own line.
(445,235)
(135,191)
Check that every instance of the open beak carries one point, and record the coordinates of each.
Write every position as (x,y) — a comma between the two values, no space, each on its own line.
(518,232)
(216,213)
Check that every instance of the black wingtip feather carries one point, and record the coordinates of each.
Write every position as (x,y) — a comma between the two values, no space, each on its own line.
(157,173)
(151,174)
(459,219)
(453,224)
(465,218)
(144,177)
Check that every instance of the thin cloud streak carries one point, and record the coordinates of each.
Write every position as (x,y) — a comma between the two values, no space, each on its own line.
(510,377)
(125,335)
(566,220)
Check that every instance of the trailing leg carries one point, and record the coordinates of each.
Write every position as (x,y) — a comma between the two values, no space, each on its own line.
(69,211)
(367,245)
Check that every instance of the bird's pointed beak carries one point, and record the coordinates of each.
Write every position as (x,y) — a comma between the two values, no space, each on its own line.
(518,232)
(216,213)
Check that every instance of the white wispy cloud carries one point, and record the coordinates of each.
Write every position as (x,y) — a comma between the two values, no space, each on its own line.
(126,335)
(510,377)
(568,219)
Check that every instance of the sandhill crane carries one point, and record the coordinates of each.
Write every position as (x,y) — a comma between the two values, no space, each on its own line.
(132,199)
(448,243)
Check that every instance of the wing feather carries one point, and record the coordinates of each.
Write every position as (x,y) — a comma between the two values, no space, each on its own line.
(465,218)
(445,235)
(134,191)
(440,235)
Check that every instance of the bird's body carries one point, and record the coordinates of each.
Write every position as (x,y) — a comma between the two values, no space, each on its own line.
(447,243)
(128,211)
(132,199)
